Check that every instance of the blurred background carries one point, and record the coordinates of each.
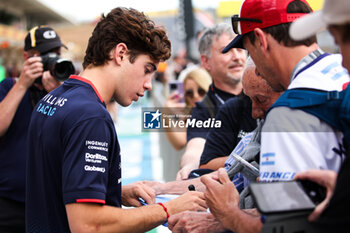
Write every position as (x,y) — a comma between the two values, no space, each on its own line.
(145,156)
(74,20)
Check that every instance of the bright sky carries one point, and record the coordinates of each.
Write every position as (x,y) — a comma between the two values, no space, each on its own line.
(83,10)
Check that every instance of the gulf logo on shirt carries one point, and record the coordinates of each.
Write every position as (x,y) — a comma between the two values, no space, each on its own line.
(268,159)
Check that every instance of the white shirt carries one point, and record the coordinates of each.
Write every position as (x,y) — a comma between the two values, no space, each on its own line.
(293,140)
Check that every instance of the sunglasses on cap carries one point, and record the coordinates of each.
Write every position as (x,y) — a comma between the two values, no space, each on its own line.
(190,92)
(235,20)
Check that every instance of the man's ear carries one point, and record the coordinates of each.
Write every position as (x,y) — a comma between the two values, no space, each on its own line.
(30,53)
(26,55)
(205,62)
(120,52)
(261,39)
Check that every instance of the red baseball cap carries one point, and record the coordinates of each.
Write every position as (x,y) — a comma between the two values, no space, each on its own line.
(260,14)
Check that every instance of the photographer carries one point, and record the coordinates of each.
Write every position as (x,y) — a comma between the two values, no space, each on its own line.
(18,96)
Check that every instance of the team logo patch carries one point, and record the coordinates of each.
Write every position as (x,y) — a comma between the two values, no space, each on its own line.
(49,34)
(268,159)
(151,119)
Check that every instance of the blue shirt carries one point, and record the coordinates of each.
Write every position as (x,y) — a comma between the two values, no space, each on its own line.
(236,121)
(74,155)
(13,151)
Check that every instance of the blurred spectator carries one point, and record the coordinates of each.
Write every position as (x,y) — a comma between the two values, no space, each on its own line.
(18,97)
(176,65)
(226,71)
(12,71)
(236,122)
(196,85)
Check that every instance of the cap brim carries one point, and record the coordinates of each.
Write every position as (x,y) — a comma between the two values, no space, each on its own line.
(237,42)
(46,47)
(307,26)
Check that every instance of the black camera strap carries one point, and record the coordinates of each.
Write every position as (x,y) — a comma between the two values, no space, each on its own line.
(35,95)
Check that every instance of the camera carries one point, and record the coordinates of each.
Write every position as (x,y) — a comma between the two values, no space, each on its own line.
(59,68)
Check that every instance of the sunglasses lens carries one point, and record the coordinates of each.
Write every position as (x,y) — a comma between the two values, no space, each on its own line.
(234,22)
(201,92)
(189,93)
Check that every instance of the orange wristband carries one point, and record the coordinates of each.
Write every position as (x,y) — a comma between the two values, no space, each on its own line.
(165,209)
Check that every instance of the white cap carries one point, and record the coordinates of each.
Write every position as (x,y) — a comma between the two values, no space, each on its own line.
(335,12)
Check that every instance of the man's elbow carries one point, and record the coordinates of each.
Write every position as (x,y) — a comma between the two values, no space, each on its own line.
(85,228)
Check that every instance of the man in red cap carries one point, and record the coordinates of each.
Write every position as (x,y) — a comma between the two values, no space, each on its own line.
(18,97)
(292,140)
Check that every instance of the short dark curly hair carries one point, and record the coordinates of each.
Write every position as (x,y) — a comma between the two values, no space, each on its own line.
(129,26)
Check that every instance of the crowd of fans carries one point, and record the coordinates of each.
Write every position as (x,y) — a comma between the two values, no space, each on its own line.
(256,81)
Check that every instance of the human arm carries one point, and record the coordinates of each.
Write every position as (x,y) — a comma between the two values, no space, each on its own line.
(177,186)
(176,137)
(132,192)
(215,164)
(31,70)
(325,178)
(223,199)
(190,221)
(88,217)
(48,82)
(190,159)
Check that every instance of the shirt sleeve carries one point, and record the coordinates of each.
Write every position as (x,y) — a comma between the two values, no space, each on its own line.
(293,141)
(5,87)
(85,165)
(221,141)
(236,122)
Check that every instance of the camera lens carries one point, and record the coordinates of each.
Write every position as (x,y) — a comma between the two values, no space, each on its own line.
(59,68)
(63,69)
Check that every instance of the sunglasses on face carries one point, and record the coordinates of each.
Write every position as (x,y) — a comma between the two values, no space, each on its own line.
(190,92)
(235,20)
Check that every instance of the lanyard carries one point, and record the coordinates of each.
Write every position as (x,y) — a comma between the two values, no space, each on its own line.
(307,61)
(219,98)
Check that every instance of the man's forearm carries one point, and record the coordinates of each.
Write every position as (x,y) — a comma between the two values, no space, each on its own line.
(96,218)
(215,164)
(178,187)
(193,152)
(240,222)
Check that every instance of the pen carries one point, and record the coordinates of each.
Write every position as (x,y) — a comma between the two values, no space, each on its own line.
(191,187)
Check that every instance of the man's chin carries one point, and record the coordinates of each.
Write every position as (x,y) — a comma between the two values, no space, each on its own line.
(124,103)
(235,79)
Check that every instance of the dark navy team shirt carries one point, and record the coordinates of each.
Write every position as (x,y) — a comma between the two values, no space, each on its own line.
(202,113)
(236,121)
(13,150)
(74,156)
